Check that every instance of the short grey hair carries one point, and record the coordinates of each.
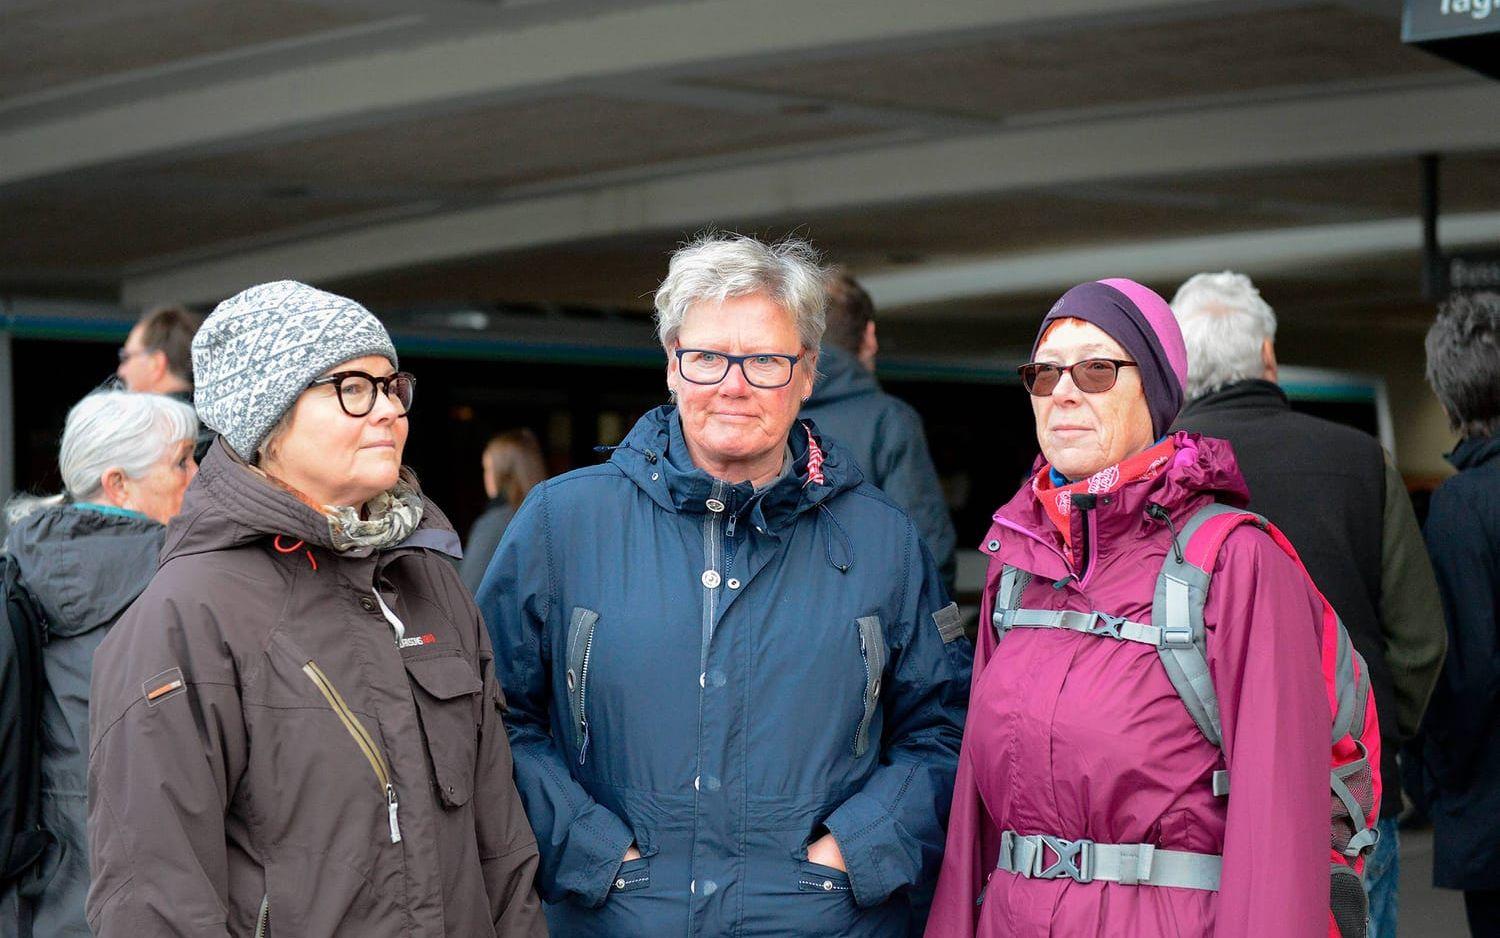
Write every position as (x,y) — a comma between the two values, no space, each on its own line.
(127,430)
(1224,323)
(1463,362)
(716,267)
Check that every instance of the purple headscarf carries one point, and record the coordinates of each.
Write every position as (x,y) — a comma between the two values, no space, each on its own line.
(1142,322)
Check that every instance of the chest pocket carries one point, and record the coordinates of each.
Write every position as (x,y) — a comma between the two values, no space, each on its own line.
(446,691)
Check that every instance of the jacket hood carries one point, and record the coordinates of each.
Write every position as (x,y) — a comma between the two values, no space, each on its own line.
(655,447)
(83,565)
(1202,469)
(1474,451)
(840,377)
(230,505)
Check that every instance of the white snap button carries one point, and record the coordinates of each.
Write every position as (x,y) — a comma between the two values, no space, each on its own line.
(696,786)
(828,885)
(993,545)
(711,579)
(693,887)
(733,583)
(702,679)
(714,505)
(655,476)
(620,883)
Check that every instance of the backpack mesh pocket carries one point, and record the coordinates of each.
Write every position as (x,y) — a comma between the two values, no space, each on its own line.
(1356,778)
(1348,902)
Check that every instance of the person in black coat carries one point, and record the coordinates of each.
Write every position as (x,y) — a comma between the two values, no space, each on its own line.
(512,464)
(1462,752)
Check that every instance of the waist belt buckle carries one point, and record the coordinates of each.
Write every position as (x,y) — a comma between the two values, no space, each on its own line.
(1075,859)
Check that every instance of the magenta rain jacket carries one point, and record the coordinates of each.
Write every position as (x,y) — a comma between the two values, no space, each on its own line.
(1079,736)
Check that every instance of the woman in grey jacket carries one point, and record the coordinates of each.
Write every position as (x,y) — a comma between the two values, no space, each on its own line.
(84,556)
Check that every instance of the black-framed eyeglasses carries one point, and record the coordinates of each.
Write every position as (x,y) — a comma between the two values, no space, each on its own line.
(357,390)
(125,354)
(767,371)
(1091,376)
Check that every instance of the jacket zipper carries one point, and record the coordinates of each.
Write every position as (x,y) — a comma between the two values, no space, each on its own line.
(362,739)
(263,921)
(583,696)
(713,531)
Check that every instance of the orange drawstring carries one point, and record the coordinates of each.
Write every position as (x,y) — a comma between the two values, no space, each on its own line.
(293,548)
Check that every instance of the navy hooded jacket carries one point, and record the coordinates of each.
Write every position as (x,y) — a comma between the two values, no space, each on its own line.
(720,676)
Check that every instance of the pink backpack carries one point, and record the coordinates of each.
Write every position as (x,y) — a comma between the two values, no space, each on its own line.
(1178,633)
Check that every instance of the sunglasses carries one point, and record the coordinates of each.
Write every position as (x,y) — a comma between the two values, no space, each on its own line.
(1091,376)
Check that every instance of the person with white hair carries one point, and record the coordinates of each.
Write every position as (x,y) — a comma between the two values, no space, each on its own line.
(1342,503)
(736,686)
(84,555)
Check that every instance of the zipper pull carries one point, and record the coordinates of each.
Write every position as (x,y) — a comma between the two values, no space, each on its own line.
(390,810)
(729,528)
(583,750)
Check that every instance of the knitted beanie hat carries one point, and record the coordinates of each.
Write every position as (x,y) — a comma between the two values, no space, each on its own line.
(1134,316)
(255,354)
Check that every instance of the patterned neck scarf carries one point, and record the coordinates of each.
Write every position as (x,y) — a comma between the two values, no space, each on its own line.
(389,518)
(1057,501)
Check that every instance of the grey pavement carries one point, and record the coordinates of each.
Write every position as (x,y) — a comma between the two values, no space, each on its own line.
(1426,912)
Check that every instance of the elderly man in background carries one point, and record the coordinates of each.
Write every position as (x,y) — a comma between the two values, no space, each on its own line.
(1341,501)
(157,358)
(736,687)
(882,433)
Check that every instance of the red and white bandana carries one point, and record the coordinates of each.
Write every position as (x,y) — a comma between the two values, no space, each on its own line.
(1057,501)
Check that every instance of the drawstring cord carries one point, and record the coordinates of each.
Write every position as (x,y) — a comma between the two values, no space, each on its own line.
(651,456)
(1153,510)
(293,548)
(828,540)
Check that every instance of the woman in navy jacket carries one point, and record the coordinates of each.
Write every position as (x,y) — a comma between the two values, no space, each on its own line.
(736,686)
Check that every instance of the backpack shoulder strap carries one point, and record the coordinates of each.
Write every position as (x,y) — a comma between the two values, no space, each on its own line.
(1177,609)
(1013,582)
(22,634)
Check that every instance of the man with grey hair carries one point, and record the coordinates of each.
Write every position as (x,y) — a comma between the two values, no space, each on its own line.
(736,686)
(1343,504)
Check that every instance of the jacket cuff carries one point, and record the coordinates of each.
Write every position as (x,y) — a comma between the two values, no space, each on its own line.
(598,840)
(866,834)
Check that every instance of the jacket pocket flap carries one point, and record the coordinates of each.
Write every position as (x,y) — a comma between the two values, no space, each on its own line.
(446,677)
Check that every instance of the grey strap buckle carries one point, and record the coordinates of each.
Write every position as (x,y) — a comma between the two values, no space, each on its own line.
(1075,859)
(1107,625)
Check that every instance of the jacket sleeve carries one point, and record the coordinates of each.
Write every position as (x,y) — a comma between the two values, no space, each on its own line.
(507,849)
(891,831)
(1411,613)
(1465,701)
(168,750)
(1266,661)
(904,471)
(581,842)
(973,842)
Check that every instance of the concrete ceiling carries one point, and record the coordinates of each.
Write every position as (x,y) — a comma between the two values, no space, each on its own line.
(966,157)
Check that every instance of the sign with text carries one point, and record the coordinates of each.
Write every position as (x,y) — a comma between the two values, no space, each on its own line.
(1466,32)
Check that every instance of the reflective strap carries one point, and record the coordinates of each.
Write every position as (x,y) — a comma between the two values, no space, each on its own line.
(1221,783)
(1039,856)
(1090,623)
(873,649)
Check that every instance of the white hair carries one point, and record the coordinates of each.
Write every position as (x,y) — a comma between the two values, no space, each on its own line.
(124,430)
(715,267)
(1224,323)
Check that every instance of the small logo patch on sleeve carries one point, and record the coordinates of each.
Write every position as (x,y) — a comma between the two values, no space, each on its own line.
(162,686)
(949,622)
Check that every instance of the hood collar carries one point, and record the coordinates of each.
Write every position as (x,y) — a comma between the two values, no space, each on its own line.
(229,504)
(1202,470)
(1474,451)
(654,456)
(840,376)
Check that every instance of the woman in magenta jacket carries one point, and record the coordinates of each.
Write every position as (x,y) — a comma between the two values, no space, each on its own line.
(1079,737)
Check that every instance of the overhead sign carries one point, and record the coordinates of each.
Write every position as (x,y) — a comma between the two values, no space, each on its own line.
(1466,32)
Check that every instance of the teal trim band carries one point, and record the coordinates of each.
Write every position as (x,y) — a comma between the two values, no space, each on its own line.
(108,510)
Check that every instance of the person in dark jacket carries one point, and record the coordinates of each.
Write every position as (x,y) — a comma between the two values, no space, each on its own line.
(513,465)
(1462,751)
(157,359)
(1340,500)
(296,727)
(737,688)
(882,433)
(125,460)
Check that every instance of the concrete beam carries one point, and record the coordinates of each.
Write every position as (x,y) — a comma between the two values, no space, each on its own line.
(1342,128)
